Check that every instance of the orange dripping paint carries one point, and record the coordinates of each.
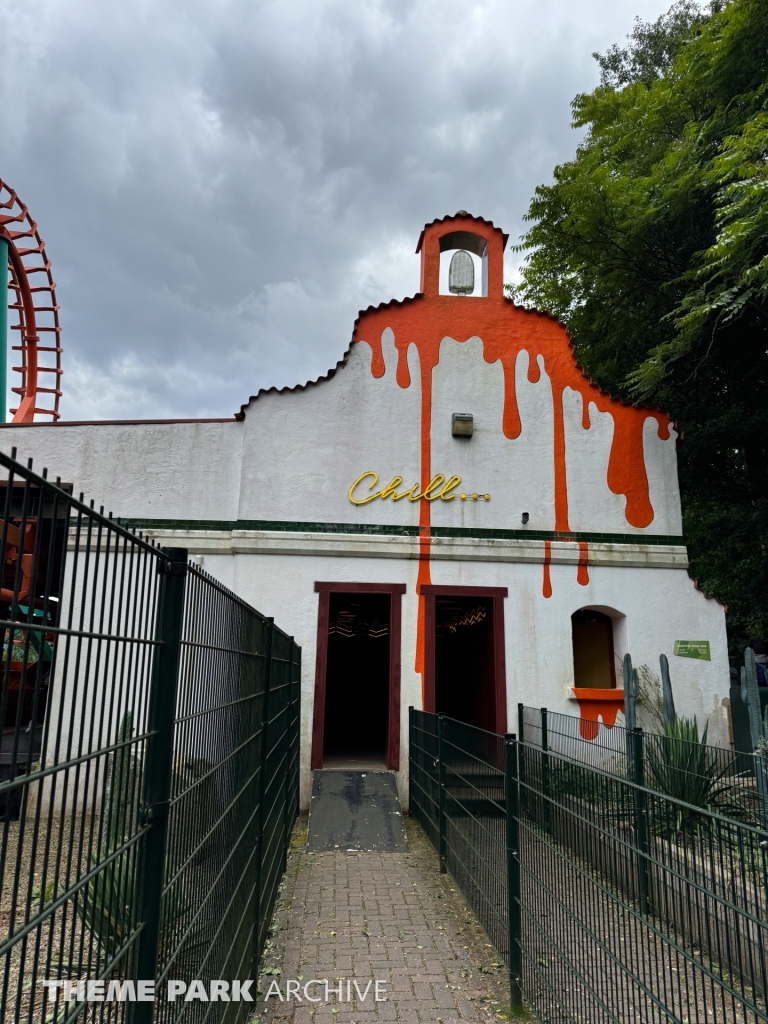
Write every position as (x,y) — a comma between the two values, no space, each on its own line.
(542,337)
(594,705)
(546,587)
(582,573)
(377,358)
(505,330)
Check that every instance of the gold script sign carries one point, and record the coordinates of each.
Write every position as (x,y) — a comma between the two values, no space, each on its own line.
(438,487)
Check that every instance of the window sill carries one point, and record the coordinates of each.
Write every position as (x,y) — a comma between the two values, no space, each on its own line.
(585,693)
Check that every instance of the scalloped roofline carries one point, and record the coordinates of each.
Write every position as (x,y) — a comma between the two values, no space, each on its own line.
(704,593)
(330,374)
(460,215)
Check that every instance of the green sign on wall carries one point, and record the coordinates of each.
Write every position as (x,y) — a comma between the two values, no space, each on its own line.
(692,649)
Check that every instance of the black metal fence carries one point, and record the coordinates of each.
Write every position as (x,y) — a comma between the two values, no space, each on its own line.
(148,770)
(608,900)
(457,796)
(716,778)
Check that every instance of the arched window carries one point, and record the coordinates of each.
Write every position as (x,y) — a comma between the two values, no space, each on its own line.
(593,660)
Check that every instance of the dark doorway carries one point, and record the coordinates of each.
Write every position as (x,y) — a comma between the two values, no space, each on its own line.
(465,670)
(593,664)
(357,678)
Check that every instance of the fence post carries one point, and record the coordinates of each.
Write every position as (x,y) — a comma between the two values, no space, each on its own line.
(545,769)
(269,622)
(521,764)
(441,791)
(288,748)
(641,820)
(156,787)
(630,719)
(291,684)
(295,709)
(410,753)
(512,806)
(298,728)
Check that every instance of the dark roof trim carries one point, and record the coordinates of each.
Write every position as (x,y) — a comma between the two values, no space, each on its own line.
(531,312)
(709,597)
(461,215)
(296,387)
(418,297)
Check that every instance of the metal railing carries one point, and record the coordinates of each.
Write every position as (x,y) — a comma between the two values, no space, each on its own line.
(148,770)
(457,796)
(608,900)
(714,778)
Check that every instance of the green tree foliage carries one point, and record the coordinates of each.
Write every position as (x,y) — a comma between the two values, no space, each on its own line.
(652,245)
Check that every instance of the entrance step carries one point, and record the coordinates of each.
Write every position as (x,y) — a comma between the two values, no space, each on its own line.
(353,763)
(355,811)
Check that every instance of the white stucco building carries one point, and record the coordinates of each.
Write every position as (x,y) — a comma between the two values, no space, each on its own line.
(517,561)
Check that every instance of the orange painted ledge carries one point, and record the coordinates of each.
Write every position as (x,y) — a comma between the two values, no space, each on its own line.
(595,704)
(606,694)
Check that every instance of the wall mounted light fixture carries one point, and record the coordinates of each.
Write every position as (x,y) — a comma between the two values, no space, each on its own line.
(524,518)
(462,424)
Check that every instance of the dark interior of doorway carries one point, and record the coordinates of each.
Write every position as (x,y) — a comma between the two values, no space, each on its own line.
(465,674)
(357,680)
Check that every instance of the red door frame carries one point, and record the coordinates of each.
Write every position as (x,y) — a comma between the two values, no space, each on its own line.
(497,595)
(395,591)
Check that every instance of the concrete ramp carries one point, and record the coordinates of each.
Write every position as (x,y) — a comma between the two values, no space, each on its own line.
(357,811)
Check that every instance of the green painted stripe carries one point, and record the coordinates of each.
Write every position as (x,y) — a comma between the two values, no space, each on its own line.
(374,530)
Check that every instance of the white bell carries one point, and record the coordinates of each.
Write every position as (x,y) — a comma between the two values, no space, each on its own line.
(461,274)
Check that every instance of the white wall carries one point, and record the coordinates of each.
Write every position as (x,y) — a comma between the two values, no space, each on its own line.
(295,456)
(518,474)
(305,448)
(657,606)
(148,470)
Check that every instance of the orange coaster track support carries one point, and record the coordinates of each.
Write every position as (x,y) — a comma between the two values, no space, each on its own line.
(32,297)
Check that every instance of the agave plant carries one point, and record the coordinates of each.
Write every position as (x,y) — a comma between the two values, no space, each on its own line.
(680,765)
(107,905)
(121,794)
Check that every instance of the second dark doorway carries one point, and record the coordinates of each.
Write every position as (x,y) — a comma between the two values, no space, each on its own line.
(357,679)
(465,672)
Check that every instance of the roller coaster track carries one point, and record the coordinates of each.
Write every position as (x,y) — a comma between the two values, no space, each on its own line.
(32,297)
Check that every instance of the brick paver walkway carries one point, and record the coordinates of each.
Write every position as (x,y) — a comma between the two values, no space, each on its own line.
(388,917)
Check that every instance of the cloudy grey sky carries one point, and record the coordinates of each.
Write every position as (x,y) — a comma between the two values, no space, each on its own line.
(223,184)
